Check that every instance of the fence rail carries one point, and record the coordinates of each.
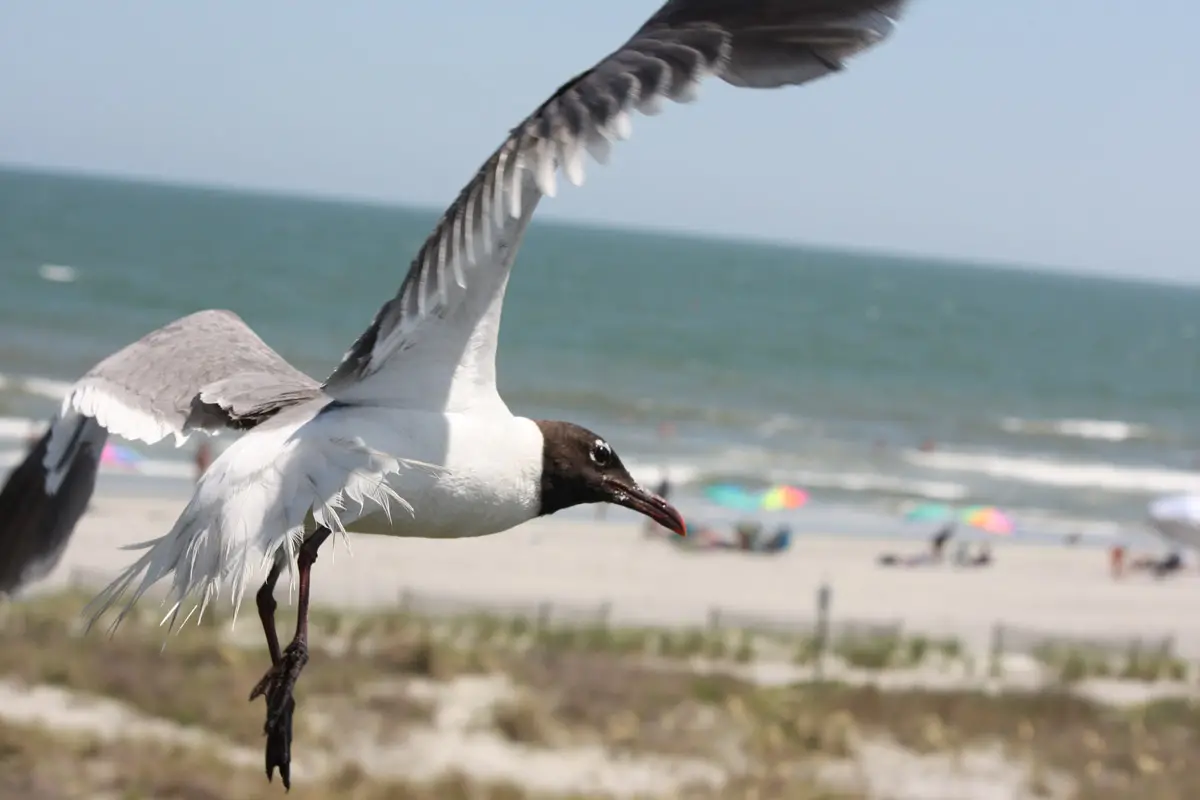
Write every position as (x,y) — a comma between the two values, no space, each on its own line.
(865,643)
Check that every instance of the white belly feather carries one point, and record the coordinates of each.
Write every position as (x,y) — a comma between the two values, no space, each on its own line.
(487,481)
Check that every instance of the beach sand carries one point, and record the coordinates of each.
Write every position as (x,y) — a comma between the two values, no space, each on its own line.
(1052,590)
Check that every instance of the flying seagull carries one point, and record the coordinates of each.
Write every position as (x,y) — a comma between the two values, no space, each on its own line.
(408,436)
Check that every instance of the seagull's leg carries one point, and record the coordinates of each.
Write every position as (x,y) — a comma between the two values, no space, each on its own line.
(265,600)
(278,749)
(280,681)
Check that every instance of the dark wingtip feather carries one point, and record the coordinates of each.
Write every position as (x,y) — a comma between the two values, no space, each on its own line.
(739,14)
(775,43)
(35,526)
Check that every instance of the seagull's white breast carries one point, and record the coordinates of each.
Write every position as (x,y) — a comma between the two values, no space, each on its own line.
(486,476)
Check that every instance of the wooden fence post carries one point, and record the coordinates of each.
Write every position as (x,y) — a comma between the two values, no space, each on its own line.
(821,633)
(996,650)
(605,613)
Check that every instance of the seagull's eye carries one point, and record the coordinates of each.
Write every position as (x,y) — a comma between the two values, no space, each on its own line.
(601,453)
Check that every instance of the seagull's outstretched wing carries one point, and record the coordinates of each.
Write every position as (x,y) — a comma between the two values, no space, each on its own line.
(206,371)
(443,323)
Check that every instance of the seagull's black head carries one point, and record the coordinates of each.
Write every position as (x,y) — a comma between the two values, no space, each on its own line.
(580,467)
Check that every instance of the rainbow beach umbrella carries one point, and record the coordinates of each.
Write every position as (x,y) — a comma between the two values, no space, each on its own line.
(987,518)
(776,498)
(783,498)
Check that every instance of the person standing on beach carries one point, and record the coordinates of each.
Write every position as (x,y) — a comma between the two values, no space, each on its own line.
(1116,560)
(937,544)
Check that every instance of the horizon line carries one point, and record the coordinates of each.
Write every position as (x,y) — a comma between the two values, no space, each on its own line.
(373,201)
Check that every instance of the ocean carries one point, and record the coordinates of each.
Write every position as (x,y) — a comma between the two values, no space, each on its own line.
(874,382)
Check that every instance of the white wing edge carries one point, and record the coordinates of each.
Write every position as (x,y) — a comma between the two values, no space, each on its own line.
(91,399)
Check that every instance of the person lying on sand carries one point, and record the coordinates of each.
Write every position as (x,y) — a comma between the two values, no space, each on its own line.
(1159,567)
(915,560)
(937,547)
(1171,564)
(982,559)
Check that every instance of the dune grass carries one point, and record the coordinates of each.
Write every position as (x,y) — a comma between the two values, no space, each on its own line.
(629,692)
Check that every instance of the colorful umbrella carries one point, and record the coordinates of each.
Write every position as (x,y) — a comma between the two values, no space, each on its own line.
(987,518)
(118,456)
(730,496)
(929,512)
(783,498)
(776,498)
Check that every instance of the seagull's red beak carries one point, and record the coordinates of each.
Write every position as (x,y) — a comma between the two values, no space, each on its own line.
(648,504)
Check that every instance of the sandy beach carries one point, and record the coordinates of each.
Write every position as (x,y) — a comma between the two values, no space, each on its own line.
(1053,590)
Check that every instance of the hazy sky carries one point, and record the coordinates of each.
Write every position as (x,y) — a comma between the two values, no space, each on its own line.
(1059,132)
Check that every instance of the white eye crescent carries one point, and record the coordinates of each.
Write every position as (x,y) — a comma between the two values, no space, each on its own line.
(601,453)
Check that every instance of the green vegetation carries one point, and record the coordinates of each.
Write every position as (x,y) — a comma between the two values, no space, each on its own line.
(1071,663)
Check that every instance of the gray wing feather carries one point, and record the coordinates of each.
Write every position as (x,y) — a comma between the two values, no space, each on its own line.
(752,43)
(205,371)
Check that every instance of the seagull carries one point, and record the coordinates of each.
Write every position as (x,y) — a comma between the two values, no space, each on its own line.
(408,436)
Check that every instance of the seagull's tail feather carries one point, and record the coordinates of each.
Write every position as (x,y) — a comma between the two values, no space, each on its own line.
(255,500)
(44,497)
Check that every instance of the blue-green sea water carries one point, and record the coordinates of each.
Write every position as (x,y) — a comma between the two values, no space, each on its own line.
(1069,401)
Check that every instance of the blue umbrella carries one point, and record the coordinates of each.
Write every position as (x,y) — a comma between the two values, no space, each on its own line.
(733,496)
(929,512)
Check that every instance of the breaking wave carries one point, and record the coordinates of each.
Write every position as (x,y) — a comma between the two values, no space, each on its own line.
(1104,430)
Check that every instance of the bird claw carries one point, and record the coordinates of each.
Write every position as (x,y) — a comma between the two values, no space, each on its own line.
(277,686)
(279,745)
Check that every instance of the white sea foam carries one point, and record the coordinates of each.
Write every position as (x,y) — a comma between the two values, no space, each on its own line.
(870,482)
(777,423)
(19,427)
(1108,430)
(693,472)
(46,387)
(1052,472)
(33,384)
(650,474)
(58,273)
